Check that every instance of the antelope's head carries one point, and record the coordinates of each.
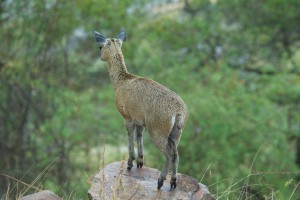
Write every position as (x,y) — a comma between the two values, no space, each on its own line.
(109,46)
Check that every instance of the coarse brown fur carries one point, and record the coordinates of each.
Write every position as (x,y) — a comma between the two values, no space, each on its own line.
(144,103)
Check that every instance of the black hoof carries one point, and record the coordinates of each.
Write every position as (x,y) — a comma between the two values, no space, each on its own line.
(130,163)
(140,164)
(160,183)
(173,183)
(129,166)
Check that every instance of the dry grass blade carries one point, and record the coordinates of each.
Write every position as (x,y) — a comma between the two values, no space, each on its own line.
(205,172)
(19,181)
(48,168)
(7,192)
(294,190)
(138,187)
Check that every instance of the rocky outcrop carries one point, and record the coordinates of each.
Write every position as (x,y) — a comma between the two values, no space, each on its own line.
(114,181)
(43,195)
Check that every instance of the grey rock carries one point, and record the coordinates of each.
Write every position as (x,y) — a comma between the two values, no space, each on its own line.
(114,181)
(43,195)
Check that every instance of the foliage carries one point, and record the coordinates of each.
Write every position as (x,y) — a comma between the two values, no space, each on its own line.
(235,64)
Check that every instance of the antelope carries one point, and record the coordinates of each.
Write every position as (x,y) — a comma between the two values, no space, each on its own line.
(145,104)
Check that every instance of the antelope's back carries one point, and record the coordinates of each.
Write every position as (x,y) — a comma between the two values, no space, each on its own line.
(139,98)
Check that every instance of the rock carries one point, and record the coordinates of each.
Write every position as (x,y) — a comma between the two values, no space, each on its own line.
(43,195)
(116,182)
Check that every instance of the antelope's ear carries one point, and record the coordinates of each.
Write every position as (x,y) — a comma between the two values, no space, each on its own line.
(99,38)
(122,36)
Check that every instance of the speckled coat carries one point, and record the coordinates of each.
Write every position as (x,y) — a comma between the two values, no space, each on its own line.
(145,101)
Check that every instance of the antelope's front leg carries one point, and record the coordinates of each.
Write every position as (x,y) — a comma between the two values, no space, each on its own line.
(139,138)
(130,133)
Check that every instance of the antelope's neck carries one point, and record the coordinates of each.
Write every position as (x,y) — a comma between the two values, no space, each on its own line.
(117,69)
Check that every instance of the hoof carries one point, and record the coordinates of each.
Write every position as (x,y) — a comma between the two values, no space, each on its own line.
(140,161)
(140,164)
(173,183)
(129,166)
(160,183)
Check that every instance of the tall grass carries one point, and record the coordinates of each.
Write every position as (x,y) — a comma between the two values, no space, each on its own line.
(253,186)
(20,188)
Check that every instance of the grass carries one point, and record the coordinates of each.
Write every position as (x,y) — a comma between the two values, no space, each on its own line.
(239,190)
(255,185)
(17,191)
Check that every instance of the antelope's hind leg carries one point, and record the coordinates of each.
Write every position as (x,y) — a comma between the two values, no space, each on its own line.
(173,140)
(174,166)
(172,157)
(171,164)
(165,170)
(139,138)
(130,133)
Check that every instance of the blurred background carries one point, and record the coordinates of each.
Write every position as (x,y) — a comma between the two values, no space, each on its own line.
(236,64)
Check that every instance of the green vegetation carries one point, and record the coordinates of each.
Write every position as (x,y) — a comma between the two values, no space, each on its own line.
(235,63)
